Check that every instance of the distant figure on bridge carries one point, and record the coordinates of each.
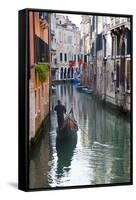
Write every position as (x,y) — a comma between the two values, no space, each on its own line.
(60,109)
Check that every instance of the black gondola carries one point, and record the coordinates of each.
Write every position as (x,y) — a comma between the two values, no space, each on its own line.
(69,129)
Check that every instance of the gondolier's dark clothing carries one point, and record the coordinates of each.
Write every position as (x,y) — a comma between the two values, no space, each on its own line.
(60,109)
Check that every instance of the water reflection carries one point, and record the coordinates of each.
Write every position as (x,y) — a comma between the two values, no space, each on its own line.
(65,153)
(100,154)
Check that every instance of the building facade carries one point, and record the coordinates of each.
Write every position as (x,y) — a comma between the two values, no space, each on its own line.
(85,49)
(99,56)
(107,65)
(68,47)
(117,61)
(39,60)
(89,51)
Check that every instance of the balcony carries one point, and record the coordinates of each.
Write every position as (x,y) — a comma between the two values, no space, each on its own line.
(119,22)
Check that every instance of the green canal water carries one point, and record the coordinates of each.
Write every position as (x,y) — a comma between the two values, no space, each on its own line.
(101,154)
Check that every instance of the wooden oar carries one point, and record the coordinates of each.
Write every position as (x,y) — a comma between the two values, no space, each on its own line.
(75,123)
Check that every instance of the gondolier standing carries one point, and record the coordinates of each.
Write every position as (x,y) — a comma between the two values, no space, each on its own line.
(60,109)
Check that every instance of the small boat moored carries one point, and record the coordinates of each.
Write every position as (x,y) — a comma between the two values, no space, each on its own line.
(76,81)
(86,90)
(79,87)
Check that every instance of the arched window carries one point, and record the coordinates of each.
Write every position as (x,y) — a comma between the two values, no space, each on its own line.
(117,75)
(123,48)
(72,71)
(118,44)
(60,57)
(61,73)
(65,72)
(128,35)
(69,72)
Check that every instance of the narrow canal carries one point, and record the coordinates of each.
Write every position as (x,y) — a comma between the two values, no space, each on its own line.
(101,154)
